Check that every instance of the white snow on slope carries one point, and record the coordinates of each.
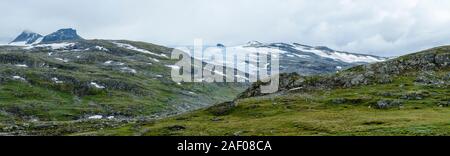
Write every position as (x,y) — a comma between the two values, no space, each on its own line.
(22,43)
(21,65)
(18,78)
(156,60)
(130,47)
(97,85)
(110,62)
(241,53)
(56,80)
(38,40)
(173,66)
(63,60)
(342,56)
(54,46)
(95,117)
(101,48)
(128,70)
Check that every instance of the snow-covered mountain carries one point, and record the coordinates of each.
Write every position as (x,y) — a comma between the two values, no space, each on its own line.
(26,38)
(338,55)
(303,59)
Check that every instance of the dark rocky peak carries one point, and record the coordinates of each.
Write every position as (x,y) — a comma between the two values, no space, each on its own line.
(26,37)
(67,34)
(253,44)
(323,48)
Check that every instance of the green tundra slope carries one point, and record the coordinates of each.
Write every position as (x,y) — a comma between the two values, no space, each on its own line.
(408,95)
(46,85)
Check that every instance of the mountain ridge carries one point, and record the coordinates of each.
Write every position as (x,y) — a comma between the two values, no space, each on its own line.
(407,96)
(28,37)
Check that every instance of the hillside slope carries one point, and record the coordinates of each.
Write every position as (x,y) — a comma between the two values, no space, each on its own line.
(408,95)
(77,80)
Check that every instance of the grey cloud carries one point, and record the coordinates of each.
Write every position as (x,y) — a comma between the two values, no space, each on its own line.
(382,27)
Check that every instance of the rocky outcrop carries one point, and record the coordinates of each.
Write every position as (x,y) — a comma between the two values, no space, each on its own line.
(426,62)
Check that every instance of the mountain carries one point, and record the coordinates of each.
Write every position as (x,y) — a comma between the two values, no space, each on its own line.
(62,35)
(65,84)
(303,59)
(27,37)
(66,81)
(407,95)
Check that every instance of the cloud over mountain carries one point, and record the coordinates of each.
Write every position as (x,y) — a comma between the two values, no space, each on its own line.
(382,27)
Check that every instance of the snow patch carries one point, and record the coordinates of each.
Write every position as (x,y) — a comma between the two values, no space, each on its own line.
(56,80)
(110,62)
(156,60)
(96,117)
(97,85)
(101,48)
(38,40)
(63,60)
(22,43)
(130,47)
(173,66)
(18,78)
(54,46)
(342,56)
(21,65)
(128,70)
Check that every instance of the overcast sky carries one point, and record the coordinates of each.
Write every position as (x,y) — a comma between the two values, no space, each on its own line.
(380,27)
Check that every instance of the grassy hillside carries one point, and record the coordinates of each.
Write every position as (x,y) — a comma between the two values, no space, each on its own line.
(46,87)
(408,95)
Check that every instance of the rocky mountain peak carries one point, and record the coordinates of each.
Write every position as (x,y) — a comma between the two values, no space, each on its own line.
(66,34)
(26,37)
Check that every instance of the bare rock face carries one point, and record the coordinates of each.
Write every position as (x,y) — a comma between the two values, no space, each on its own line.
(68,34)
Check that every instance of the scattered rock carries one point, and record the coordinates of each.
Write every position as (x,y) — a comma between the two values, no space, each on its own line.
(373,123)
(427,77)
(386,94)
(338,101)
(176,128)
(387,104)
(216,119)
(414,95)
(444,103)
(347,101)
(238,133)
(222,109)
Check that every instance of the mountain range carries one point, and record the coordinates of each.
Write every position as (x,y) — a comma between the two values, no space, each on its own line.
(404,96)
(62,84)
(303,59)
(31,38)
